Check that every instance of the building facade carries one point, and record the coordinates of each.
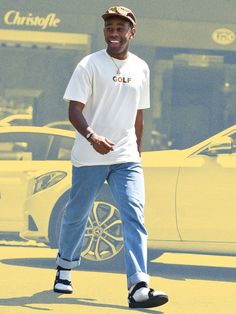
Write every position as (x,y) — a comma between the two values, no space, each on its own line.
(190,47)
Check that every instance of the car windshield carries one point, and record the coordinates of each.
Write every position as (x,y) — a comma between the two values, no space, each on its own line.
(34,146)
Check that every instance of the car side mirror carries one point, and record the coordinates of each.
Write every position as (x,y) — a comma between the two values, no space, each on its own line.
(222,145)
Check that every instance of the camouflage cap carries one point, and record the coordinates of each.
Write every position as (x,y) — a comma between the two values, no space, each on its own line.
(122,12)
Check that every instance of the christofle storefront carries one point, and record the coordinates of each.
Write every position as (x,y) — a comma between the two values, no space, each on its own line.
(37,57)
(191,53)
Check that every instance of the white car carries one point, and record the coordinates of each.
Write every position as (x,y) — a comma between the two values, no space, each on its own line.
(190,204)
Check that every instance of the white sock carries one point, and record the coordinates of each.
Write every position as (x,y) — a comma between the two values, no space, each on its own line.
(65,275)
(141,294)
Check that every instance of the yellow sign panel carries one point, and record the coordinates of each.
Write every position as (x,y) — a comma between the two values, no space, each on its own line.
(223,36)
(43,37)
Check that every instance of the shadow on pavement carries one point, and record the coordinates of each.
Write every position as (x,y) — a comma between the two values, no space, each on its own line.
(183,272)
(49,297)
(170,271)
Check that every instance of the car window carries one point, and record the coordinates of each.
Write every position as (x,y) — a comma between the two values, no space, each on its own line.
(24,145)
(64,152)
(61,148)
(68,127)
(64,126)
(14,151)
(233,136)
(226,151)
(21,122)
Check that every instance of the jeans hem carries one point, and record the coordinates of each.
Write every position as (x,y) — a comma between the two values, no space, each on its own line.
(67,264)
(137,277)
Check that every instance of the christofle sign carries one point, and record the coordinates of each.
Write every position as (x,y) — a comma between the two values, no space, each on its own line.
(15,18)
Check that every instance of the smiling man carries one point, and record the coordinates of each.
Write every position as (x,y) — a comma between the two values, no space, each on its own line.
(107,94)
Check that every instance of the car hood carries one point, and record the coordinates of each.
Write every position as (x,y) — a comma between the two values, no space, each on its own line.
(164,158)
(25,166)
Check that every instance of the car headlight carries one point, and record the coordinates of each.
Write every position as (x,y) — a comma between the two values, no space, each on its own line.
(47,180)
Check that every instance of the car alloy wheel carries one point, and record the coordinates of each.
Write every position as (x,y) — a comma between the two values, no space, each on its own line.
(103,237)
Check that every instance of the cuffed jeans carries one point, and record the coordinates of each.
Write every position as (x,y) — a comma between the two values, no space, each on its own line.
(127,186)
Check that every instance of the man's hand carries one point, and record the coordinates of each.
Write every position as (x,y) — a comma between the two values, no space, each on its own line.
(101,144)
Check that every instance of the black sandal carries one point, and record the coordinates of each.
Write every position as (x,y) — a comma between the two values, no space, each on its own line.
(66,283)
(152,301)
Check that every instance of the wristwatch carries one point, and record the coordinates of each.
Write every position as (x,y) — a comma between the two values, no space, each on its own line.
(89,135)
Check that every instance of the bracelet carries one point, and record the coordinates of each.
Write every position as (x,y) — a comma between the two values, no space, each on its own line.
(89,135)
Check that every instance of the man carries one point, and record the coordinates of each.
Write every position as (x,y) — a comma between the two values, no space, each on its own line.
(106,95)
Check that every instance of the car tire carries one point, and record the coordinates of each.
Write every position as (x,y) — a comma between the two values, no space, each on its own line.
(103,241)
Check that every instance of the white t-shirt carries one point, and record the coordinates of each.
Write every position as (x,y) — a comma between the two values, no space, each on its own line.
(111,104)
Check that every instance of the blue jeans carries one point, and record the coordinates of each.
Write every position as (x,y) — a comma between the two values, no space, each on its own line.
(127,187)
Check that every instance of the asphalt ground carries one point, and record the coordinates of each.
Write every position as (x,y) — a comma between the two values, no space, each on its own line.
(195,283)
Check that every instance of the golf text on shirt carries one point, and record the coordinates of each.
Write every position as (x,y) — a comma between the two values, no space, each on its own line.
(122,79)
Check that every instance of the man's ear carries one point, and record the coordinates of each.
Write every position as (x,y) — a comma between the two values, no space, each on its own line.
(133,32)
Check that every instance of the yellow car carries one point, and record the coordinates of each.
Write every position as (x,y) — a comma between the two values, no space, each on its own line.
(16,119)
(190,197)
(63,124)
(25,150)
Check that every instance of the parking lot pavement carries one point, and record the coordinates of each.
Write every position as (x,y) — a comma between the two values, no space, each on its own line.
(196,284)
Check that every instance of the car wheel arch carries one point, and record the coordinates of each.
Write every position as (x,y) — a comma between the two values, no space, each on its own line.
(57,210)
(104,202)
